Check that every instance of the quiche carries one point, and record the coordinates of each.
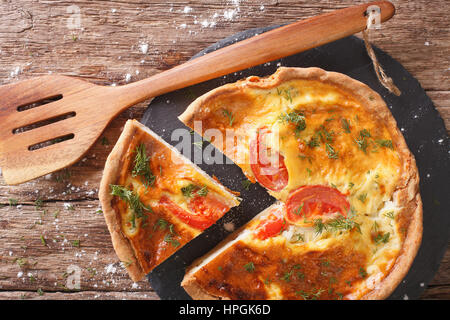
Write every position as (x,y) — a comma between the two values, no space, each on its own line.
(154,200)
(348,221)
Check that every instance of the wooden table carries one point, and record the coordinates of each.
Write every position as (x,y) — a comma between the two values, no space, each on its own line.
(53,224)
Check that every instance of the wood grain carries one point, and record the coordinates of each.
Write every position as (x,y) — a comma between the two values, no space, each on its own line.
(108,49)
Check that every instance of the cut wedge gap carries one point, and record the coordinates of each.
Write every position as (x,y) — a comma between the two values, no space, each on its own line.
(50,142)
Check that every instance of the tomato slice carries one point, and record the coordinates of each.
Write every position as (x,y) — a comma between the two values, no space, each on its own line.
(315,202)
(272,225)
(267,173)
(207,211)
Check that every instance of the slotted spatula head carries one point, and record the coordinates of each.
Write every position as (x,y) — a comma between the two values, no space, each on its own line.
(47,123)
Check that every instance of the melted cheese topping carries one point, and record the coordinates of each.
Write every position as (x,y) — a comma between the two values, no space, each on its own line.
(352,153)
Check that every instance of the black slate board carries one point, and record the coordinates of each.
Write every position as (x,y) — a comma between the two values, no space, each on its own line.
(416,116)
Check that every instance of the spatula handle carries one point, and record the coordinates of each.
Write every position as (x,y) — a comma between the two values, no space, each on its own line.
(275,44)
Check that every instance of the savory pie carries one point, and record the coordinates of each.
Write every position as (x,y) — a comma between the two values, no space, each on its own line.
(154,200)
(348,221)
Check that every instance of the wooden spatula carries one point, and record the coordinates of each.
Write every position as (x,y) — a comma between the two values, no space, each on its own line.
(49,122)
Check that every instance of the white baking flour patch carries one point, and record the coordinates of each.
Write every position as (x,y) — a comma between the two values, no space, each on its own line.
(110,268)
(143,47)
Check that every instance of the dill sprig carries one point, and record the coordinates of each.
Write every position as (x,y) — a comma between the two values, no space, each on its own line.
(345,125)
(229,115)
(133,201)
(385,143)
(295,117)
(337,224)
(191,190)
(332,154)
(142,166)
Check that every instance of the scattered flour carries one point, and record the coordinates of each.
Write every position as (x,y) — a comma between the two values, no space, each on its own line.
(110,268)
(143,47)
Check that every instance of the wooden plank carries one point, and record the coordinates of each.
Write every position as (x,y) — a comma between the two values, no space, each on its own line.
(441,292)
(41,247)
(85,295)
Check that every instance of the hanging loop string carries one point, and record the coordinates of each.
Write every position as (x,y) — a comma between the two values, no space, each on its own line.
(386,81)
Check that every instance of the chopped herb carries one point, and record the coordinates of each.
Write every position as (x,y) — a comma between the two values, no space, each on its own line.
(191,189)
(219,268)
(76,243)
(142,166)
(246,184)
(40,292)
(43,240)
(188,190)
(313,142)
(250,267)
(309,171)
(311,295)
(127,263)
(382,238)
(13,202)
(297,237)
(229,115)
(287,276)
(92,271)
(162,224)
(345,125)
(332,154)
(364,133)
(319,226)
(190,94)
(362,197)
(385,143)
(301,156)
(203,192)
(38,204)
(390,215)
(299,209)
(340,223)
(362,144)
(169,239)
(343,223)
(296,118)
(362,272)
(324,134)
(21,262)
(375,227)
(133,201)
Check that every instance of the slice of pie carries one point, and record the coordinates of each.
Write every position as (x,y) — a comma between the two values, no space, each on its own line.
(349,221)
(154,200)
